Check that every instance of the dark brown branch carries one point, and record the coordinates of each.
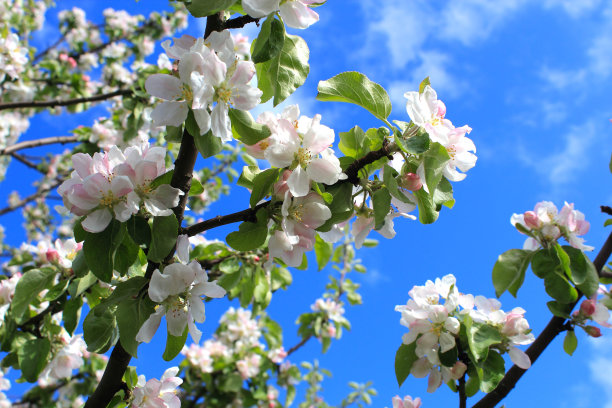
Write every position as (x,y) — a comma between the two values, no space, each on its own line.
(111,381)
(65,102)
(25,161)
(249,214)
(240,22)
(41,54)
(299,345)
(555,326)
(183,172)
(605,209)
(39,142)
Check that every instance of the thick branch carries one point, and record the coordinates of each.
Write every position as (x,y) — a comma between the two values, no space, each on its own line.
(555,326)
(65,102)
(240,22)
(111,381)
(183,172)
(39,142)
(249,214)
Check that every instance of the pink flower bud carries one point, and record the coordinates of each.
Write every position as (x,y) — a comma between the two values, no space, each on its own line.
(411,181)
(256,258)
(531,220)
(72,62)
(63,57)
(593,331)
(587,307)
(331,331)
(52,255)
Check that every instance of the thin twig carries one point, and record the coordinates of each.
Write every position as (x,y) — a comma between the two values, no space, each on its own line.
(64,102)
(29,198)
(26,162)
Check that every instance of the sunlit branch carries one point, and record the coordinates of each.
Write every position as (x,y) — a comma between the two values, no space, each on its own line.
(64,102)
(38,142)
(555,326)
(249,214)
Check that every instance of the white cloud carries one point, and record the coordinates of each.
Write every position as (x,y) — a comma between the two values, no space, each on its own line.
(574,8)
(564,166)
(600,365)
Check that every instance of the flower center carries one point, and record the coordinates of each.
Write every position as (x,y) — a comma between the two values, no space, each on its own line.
(303,156)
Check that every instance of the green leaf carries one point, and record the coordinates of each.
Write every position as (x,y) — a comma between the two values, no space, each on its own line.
(341,206)
(174,134)
(544,262)
(427,209)
(404,358)
(323,251)
(351,142)
(559,288)
(203,8)
(28,287)
(164,235)
(389,175)
(246,129)
(435,160)
(165,178)
(423,84)
(262,185)
(416,144)
(98,328)
(174,345)
(79,265)
(355,87)
(564,260)
(584,273)
(443,196)
(131,314)
(270,40)
(448,358)
(570,343)
(57,290)
(381,200)
(493,370)
(125,255)
(480,337)
(139,230)
(100,250)
(282,75)
(247,176)
(250,235)
(558,309)
(84,283)
(231,383)
(196,188)
(33,358)
(207,144)
(246,291)
(509,271)
(72,313)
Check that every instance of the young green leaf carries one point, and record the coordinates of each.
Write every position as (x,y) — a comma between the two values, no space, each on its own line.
(164,235)
(509,271)
(404,358)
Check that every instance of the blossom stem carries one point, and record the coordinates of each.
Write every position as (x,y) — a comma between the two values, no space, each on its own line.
(64,102)
(555,326)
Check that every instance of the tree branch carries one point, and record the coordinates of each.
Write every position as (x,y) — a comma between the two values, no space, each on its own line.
(29,198)
(38,142)
(241,21)
(111,381)
(555,326)
(249,214)
(65,102)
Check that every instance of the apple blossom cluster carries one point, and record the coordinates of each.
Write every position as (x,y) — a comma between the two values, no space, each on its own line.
(156,393)
(116,183)
(435,326)
(596,309)
(295,13)
(426,111)
(546,224)
(7,290)
(208,72)
(406,402)
(236,340)
(178,290)
(59,252)
(334,313)
(67,358)
(13,56)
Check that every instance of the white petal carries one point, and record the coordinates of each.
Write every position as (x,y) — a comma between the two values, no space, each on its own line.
(164,86)
(299,182)
(170,113)
(149,327)
(519,358)
(97,221)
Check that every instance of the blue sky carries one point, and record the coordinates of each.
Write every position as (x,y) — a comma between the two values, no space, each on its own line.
(532,79)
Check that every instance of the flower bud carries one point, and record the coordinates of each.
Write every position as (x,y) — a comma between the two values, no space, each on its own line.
(411,181)
(593,331)
(531,219)
(587,307)
(52,255)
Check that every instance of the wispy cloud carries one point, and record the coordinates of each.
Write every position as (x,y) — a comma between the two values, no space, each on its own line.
(599,366)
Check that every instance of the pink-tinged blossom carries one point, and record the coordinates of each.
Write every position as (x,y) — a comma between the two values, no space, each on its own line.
(60,252)
(545,225)
(13,56)
(249,366)
(179,290)
(7,290)
(158,393)
(295,13)
(365,221)
(68,358)
(303,145)
(407,402)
